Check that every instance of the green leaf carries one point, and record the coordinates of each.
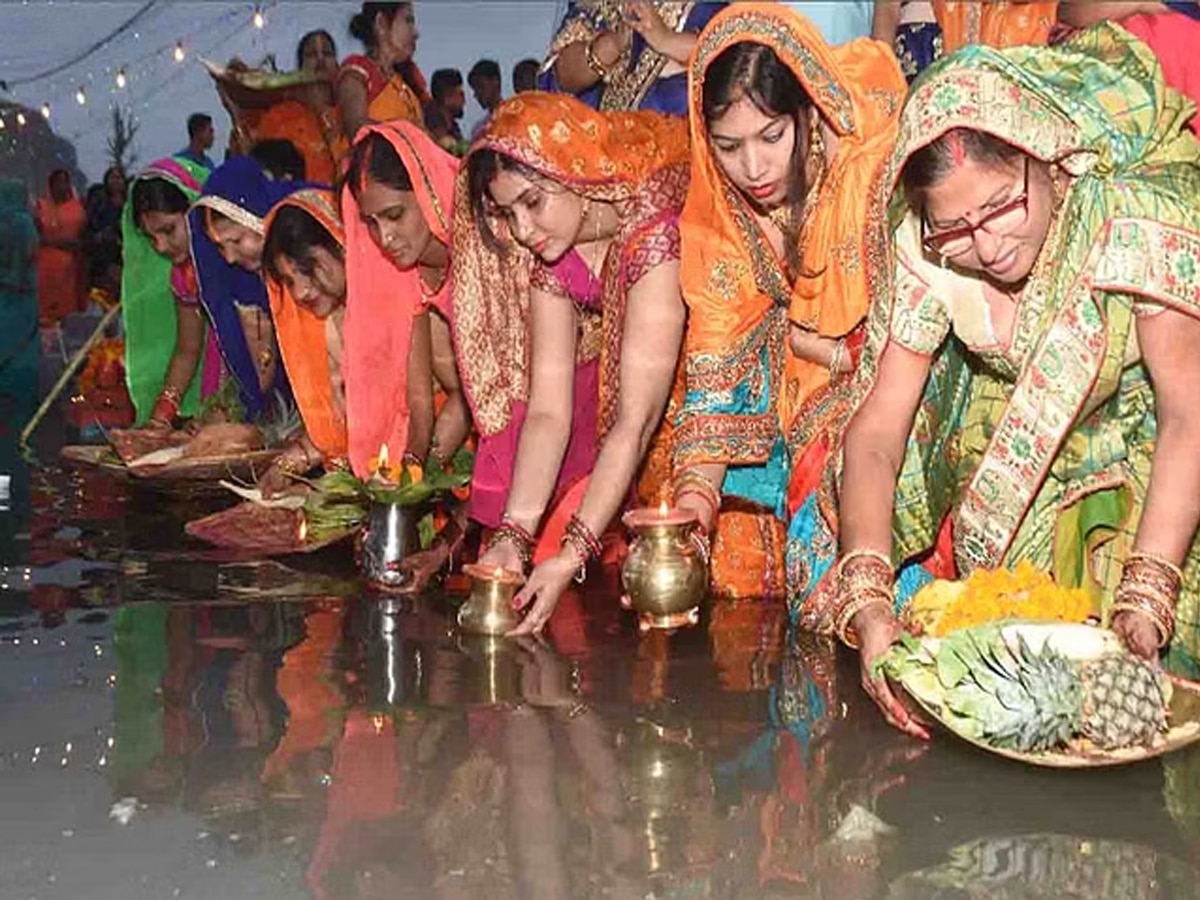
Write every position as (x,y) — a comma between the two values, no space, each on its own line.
(426,531)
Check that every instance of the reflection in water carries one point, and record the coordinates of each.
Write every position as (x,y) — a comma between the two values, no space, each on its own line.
(359,747)
(1049,867)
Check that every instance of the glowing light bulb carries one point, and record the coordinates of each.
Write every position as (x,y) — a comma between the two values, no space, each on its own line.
(3,124)
(180,53)
(20,118)
(121,80)
(259,19)
(81,96)
(45,110)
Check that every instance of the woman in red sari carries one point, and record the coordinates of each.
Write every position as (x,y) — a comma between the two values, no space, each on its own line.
(60,219)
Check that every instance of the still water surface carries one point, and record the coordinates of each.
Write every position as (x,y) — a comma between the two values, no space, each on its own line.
(178,723)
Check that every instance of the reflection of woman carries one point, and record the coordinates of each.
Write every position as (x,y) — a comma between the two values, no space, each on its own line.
(781,240)
(305,271)
(587,205)
(1066,432)
(60,220)
(226,230)
(171,357)
(617,55)
(384,84)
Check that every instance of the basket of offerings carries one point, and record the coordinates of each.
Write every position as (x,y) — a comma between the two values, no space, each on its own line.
(1007,662)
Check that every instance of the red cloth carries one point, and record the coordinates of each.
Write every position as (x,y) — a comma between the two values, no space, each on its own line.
(1175,40)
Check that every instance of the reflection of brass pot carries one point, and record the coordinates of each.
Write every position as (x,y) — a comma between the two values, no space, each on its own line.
(663,576)
(390,535)
(492,674)
(489,609)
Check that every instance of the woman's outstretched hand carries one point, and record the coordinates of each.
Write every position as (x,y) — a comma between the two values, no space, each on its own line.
(877,630)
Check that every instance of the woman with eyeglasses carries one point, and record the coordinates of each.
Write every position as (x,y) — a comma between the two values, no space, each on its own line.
(1029,392)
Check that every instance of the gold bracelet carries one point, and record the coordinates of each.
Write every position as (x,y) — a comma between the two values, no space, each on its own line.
(593,61)
(1143,606)
(845,620)
(863,553)
(837,358)
(1146,556)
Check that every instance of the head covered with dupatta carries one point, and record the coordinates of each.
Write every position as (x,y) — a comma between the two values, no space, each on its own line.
(303,343)
(730,278)
(1125,229)
(241,191)
(382,299)
(605,157)
(147,302)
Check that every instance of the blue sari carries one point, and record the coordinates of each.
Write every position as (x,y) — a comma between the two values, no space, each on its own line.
(637,85)
(241,191)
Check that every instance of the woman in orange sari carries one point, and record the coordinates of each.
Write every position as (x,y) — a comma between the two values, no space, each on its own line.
(385,84)
(997,23)
(303,261)
(783,235)
(567,319)
(60,220)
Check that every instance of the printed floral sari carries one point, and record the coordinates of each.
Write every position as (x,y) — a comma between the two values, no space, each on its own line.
(1043,450)
(996,23)
(151,287)
(637,161)
(751,404)
(312,348)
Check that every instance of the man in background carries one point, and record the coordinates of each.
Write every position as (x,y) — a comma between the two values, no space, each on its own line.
(524,75)
(201,137)
(446,108)
(484,79)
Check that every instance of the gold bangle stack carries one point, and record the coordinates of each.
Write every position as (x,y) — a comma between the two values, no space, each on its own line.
(865,579)
(1150,585)
(520,538)
(837,359)
(593,61)
(692,482)
(580,538)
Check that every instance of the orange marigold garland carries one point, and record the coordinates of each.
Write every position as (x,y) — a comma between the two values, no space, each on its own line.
(992,594)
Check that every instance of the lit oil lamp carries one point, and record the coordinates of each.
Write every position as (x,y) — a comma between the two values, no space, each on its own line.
(663,575)
(302,531)
(389,536)
(489,608)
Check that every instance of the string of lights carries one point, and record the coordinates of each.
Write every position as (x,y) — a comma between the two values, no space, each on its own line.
(123,80)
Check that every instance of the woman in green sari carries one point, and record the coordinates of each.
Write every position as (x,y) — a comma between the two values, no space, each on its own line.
(170,358)
(1030,392)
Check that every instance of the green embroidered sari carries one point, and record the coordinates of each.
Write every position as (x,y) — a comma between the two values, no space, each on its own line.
(1043,450)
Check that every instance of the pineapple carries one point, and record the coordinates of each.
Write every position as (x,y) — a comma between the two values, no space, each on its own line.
(1003,687)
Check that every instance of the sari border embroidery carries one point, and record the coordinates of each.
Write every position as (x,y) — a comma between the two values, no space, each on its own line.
(232,211)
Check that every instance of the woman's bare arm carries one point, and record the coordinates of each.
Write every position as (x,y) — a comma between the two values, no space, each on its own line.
(454,421)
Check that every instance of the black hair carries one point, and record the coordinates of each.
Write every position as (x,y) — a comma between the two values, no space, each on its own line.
(109,171)
(524,75)
(376,159)
(362,26)
(482,168)
(280,159)
(312,36)
(295,234)
(197,122)
(755,72)
(937,159)
(156,195)
(485,68)
(444,81)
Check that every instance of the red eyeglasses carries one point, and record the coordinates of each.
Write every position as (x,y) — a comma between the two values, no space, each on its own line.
(957,241)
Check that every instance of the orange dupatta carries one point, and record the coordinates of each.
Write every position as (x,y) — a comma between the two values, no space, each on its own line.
(997,23)
(604,156)
(731,279)
(302,336)
(389,97)
(381,300)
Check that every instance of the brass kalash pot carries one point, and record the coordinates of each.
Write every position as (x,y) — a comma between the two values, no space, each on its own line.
(489,608)
(664,576)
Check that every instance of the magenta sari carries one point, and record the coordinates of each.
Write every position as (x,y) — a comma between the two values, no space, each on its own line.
(496,456)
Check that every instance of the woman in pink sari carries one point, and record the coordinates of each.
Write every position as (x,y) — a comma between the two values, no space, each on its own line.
(60,219)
